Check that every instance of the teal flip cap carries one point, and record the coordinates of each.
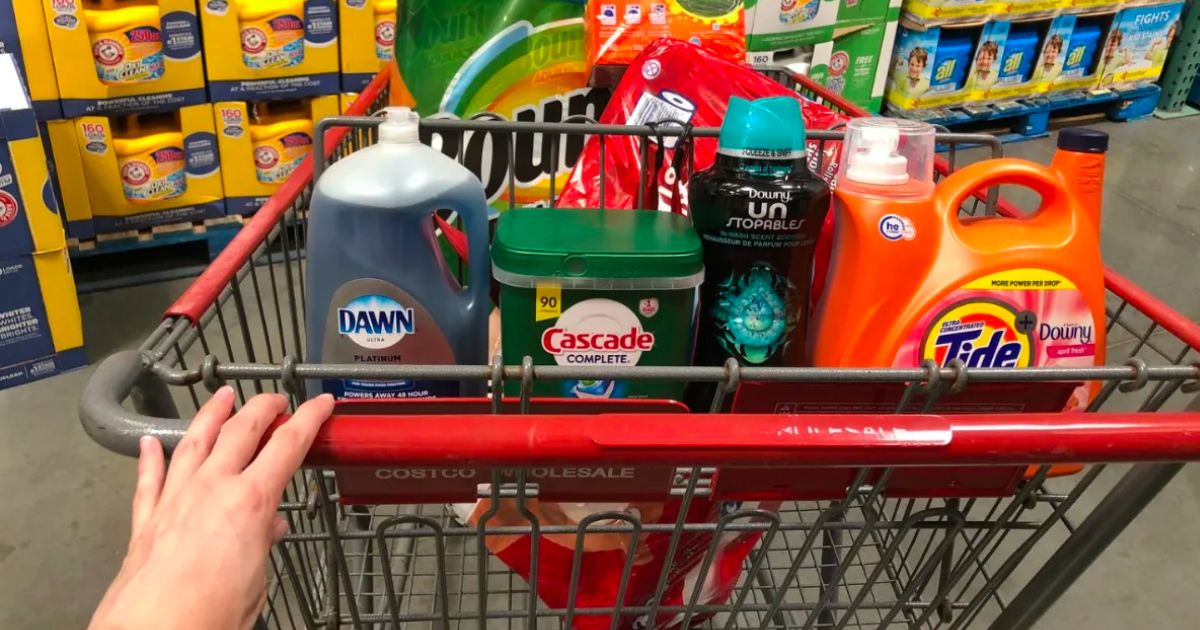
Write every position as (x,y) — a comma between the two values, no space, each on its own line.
(765,128)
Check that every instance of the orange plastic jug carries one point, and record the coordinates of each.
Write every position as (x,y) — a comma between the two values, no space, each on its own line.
(909,280)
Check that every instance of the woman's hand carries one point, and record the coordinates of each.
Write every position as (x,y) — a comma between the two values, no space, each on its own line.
(202,530)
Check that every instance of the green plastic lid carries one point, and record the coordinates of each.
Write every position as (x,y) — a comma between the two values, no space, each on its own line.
(765,128)
(608,244)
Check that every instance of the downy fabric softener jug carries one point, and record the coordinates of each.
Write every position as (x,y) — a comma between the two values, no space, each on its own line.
(379,290)
(758,211)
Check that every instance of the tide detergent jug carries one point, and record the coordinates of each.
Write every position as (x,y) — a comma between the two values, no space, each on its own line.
(150,157)
(910,281)
(127,41)
(281,134)
(379,290)
(272,33)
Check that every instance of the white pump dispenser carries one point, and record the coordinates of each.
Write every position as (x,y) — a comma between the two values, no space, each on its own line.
(877,159)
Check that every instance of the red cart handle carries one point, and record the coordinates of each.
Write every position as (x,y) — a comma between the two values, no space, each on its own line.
(754,439)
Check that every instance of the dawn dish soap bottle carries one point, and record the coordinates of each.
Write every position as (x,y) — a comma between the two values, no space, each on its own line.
(379,290)
(758,212)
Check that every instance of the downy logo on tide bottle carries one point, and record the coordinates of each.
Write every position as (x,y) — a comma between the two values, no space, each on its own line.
(375,321)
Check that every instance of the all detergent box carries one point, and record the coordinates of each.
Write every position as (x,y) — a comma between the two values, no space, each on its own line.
(262,144)
(1056,52)
(930,67)
(119,57)
(270,49)
(1015,66)
(1137,44)
(779,24)
(986,70)
(23,35)
(1025,9)
(855,64)
(1082,53)
(934,12)
(29,220)
(40,329)
(70,186)
(144,170)
(363,57)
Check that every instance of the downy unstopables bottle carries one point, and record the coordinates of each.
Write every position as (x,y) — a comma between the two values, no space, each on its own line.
(758,211)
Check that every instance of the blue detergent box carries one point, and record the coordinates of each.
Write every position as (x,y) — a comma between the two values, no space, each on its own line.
(952,61)
(40,329)
(1085,39)
(1020,51)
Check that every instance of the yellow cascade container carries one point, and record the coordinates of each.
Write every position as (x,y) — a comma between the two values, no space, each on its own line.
(272,33)
(127,41)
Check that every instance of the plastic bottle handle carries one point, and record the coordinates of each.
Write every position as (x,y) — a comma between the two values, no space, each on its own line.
(955,189)
(479,271)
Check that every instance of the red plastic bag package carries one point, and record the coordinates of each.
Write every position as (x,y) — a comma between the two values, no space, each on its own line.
(604,556)
(675,81)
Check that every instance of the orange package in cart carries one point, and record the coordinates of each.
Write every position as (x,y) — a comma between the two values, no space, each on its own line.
(617,32)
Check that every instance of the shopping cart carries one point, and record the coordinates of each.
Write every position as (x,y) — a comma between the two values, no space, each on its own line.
(887,538)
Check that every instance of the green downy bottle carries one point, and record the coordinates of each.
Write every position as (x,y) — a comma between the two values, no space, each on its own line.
(758,212)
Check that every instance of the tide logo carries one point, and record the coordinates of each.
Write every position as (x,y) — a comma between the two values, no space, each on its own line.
(375,321)
(983,334)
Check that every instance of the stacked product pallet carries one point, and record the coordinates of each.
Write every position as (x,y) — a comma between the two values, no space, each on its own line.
(969,60)
(171,113)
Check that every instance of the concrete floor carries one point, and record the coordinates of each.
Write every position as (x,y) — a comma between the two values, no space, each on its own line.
(64,521)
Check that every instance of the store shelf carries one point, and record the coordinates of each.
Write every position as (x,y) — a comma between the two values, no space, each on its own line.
(1030,118)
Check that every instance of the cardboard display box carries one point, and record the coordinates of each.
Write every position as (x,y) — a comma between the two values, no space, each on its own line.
(61,144)
(855,64)
(114,61)
(363,57)
(773,25)
(256,157)
(285,49)
(23,34)
(40,330)
(159,169)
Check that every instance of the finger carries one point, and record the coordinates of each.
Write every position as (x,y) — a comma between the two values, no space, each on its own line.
(198,442)
(283,454)
(240,436)
(281,529)
(151,472)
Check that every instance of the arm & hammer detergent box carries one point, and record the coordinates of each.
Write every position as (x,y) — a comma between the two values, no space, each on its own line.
(40,330)
(120,57)
(261,144)
(855,63)
(270,49)
(144,170)
(363,57)
(70,186)
(23,35)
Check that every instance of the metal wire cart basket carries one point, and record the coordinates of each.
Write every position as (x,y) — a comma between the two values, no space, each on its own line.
(903,509)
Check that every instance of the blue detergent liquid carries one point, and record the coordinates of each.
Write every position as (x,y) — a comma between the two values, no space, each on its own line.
(1081,51)
(1020,52)
(379,290)
(950,64)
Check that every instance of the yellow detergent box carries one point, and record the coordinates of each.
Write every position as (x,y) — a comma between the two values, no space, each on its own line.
(270,49)
(151,169)
(931,12)
(23,35)
(29,219)
(262,143)
(120,57)
(70,187)
(364,57)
